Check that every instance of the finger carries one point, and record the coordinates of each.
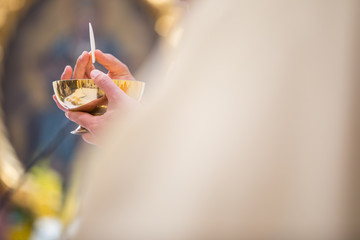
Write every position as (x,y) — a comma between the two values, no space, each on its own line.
(67,73)
(83,119)
(89,68)
(105,83)
(116,67)
(89,138)
(80,66)
(58,104)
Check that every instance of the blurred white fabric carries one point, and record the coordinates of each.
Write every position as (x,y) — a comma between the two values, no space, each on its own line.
(250,136)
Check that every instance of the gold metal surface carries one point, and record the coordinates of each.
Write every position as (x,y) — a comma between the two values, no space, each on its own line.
(85,96)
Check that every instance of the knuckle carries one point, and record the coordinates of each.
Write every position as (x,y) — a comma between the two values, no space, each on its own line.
(109,56)
(78,59)
(82,119)
(93,127)
(101,79)
(114,60)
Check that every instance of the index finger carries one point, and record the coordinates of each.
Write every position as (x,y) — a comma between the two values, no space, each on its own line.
(83,119)
(116,67)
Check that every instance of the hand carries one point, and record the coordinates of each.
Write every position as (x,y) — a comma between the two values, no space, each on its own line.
(117,99)
(116,69)
(82,70)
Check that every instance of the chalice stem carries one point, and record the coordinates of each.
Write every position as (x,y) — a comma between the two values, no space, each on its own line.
(79,130)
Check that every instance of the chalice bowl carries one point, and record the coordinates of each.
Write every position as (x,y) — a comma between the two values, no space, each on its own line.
(85,96)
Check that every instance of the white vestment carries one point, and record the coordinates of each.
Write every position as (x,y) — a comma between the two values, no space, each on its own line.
(250,137)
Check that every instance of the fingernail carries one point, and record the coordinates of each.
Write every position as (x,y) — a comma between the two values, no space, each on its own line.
(94,73)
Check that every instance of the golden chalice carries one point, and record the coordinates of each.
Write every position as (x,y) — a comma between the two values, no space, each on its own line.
(85,96)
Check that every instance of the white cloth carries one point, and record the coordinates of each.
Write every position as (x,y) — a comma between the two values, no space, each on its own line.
(249,140)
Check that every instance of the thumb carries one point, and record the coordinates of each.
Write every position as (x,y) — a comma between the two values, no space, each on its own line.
(105,83)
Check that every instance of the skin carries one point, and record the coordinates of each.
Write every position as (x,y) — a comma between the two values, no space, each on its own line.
(117,99)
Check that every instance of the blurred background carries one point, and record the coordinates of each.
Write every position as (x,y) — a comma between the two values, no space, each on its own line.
(38,38)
